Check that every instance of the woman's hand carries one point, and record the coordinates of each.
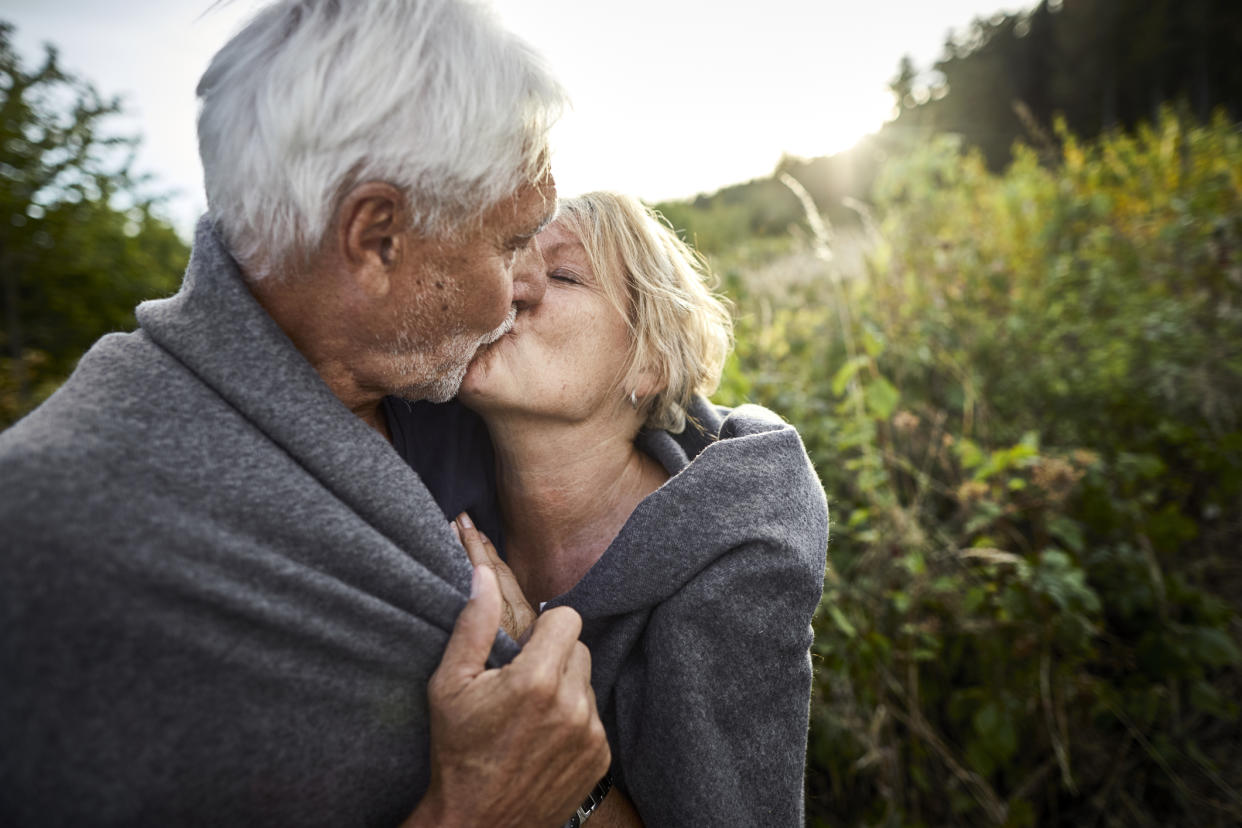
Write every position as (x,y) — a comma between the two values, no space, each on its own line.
(517,615)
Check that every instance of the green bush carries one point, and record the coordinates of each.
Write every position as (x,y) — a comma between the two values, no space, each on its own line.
(1026,415)
(81,241)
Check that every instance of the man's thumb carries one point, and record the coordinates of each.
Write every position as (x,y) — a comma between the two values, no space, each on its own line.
(465,656)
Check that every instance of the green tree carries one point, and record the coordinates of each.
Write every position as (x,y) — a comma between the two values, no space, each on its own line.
(1100,64)
(79,243)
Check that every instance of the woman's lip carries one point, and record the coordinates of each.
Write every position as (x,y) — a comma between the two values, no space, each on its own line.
(488,346)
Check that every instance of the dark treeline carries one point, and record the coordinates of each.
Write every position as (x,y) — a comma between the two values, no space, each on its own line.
(1099,64)
(1096,65)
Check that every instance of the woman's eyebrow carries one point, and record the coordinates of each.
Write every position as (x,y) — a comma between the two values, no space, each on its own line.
(556,247)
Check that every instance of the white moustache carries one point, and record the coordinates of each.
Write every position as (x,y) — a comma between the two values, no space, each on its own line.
(504,328)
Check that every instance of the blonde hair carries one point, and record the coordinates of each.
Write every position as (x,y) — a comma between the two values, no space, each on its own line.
(681,330)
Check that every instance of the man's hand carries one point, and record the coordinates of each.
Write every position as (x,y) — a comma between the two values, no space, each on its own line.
(517,615)
(517,746)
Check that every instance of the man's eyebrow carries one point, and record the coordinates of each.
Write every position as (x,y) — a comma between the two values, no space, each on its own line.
(518,239)
(548,219)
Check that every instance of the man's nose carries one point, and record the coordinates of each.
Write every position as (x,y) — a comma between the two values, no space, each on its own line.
(530,276)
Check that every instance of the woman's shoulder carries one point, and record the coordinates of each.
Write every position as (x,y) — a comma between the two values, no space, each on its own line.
(750,420)
(742,500)
(756,445)
(723,422)
(747,474)
(709,425)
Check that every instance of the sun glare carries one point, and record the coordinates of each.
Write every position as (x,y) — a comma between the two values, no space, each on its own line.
(837,126)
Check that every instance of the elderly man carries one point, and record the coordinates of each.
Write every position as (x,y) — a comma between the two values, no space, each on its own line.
(225,598)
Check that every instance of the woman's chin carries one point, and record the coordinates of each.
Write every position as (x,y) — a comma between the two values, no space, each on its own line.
(474,384)
(469,384)
(489,379)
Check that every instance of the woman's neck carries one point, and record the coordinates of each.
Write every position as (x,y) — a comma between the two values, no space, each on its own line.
(565,492)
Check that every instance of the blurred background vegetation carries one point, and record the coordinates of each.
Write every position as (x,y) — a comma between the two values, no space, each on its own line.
(1009,329)
(80,244)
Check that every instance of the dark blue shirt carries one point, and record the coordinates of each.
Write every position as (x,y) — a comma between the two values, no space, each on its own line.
(448,445)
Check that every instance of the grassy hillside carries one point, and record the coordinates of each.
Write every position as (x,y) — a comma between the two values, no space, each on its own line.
(1023,393)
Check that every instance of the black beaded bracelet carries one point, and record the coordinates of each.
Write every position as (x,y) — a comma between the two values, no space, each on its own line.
(592,801)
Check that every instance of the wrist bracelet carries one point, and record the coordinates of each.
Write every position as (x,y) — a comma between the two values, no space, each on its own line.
(592,801)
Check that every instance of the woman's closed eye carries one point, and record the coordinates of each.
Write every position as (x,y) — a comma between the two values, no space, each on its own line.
(560,274)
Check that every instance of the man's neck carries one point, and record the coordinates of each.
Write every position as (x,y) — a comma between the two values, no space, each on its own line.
(312,326)
(565,492)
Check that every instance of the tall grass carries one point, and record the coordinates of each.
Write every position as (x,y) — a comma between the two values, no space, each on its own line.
(1026,414)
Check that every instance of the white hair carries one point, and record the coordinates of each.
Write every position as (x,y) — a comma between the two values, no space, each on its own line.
(313,97)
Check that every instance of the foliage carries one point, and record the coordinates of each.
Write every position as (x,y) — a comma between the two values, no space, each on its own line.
(1027,417)
(715,223)
(1096,64)
(1100,64)
(80,245)
(1025,406)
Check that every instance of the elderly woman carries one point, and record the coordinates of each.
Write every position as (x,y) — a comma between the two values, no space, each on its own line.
(690,538)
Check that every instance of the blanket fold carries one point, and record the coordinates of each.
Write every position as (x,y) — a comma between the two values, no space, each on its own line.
(221,594)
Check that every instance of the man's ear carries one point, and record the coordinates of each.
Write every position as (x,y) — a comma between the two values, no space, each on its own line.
(369,234)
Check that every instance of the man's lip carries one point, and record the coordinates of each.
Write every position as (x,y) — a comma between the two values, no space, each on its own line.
(506,327)
(487,346)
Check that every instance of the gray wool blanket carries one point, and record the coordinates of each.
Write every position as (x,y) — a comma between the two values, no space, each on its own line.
(698,618)
(221,594)
(697,615)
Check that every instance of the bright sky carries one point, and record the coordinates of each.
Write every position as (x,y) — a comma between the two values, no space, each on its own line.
(670,97)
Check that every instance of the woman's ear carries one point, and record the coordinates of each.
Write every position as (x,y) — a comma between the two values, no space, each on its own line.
(370,233)
(647,382)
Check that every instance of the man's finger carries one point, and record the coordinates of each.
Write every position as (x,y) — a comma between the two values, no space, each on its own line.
(465,656)
(553,637)
(579,663)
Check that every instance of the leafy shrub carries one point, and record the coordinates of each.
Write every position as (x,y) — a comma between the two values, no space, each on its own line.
(1026,415)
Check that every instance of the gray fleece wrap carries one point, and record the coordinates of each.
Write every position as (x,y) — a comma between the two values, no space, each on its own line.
(698,620)
(221,594)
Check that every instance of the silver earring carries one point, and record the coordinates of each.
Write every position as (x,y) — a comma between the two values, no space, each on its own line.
(633,400)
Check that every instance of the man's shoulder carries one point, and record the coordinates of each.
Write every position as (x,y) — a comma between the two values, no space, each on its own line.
(97,421)
(122,377)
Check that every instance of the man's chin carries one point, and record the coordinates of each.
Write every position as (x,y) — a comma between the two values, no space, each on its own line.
(452,374)
(438,391)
